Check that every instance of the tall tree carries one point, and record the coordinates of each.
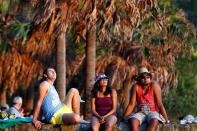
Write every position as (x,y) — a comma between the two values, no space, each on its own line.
(90,61)
(61,65)
(63,11)
(3,96)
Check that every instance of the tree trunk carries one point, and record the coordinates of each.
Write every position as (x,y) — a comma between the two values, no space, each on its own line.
(61,66)
(90,69)
(3,96)
(30,98)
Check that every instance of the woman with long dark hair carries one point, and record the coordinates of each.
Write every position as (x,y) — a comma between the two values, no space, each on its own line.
(104,102)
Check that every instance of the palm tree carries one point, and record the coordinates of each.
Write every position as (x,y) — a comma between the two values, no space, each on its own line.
(61,65)
(66,10)
(63,11)
(90,62)
(3,96)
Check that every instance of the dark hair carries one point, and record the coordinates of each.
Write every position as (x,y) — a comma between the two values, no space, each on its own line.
(44,78)
(97,88)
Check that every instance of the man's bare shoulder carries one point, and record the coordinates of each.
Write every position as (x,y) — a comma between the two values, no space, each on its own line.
(44,84)
(134,87)
(156,86)
(43,88)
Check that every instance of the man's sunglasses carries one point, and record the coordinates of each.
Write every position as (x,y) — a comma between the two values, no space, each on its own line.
(145,77)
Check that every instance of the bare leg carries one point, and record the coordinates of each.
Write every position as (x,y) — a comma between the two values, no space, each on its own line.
(152,125)
(135,124)
(70,118)
(110,122)
(73,100)
(95,123)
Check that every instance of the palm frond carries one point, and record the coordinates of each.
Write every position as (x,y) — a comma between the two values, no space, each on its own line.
(44,10)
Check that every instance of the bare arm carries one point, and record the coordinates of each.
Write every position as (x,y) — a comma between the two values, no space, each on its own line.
(157,93)
(43,88)
(132,101)
(114,99)
(94,112)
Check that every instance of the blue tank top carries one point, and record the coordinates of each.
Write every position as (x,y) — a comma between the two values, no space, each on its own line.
(51,103)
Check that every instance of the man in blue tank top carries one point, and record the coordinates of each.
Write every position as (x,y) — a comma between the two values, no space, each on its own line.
(49,103)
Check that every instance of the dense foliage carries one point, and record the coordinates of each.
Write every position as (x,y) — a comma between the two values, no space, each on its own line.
(190,8)
(181,100)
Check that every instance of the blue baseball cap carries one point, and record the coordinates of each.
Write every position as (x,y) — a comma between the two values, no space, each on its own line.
(100,77)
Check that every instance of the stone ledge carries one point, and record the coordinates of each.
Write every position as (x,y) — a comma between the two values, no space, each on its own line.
(86,127)
(165,127)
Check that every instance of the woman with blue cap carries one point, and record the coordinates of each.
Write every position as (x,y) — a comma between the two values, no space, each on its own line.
(104,102)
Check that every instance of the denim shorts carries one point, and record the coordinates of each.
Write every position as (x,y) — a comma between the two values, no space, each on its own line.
(146,117)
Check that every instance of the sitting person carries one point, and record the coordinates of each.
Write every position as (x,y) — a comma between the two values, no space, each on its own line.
(17,109)
(147,95)
(104,104)
(50,105)
(4,108)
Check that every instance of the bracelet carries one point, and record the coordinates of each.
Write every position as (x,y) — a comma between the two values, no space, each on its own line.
(168,121)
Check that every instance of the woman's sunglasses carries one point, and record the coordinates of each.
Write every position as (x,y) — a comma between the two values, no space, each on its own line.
(104,79)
